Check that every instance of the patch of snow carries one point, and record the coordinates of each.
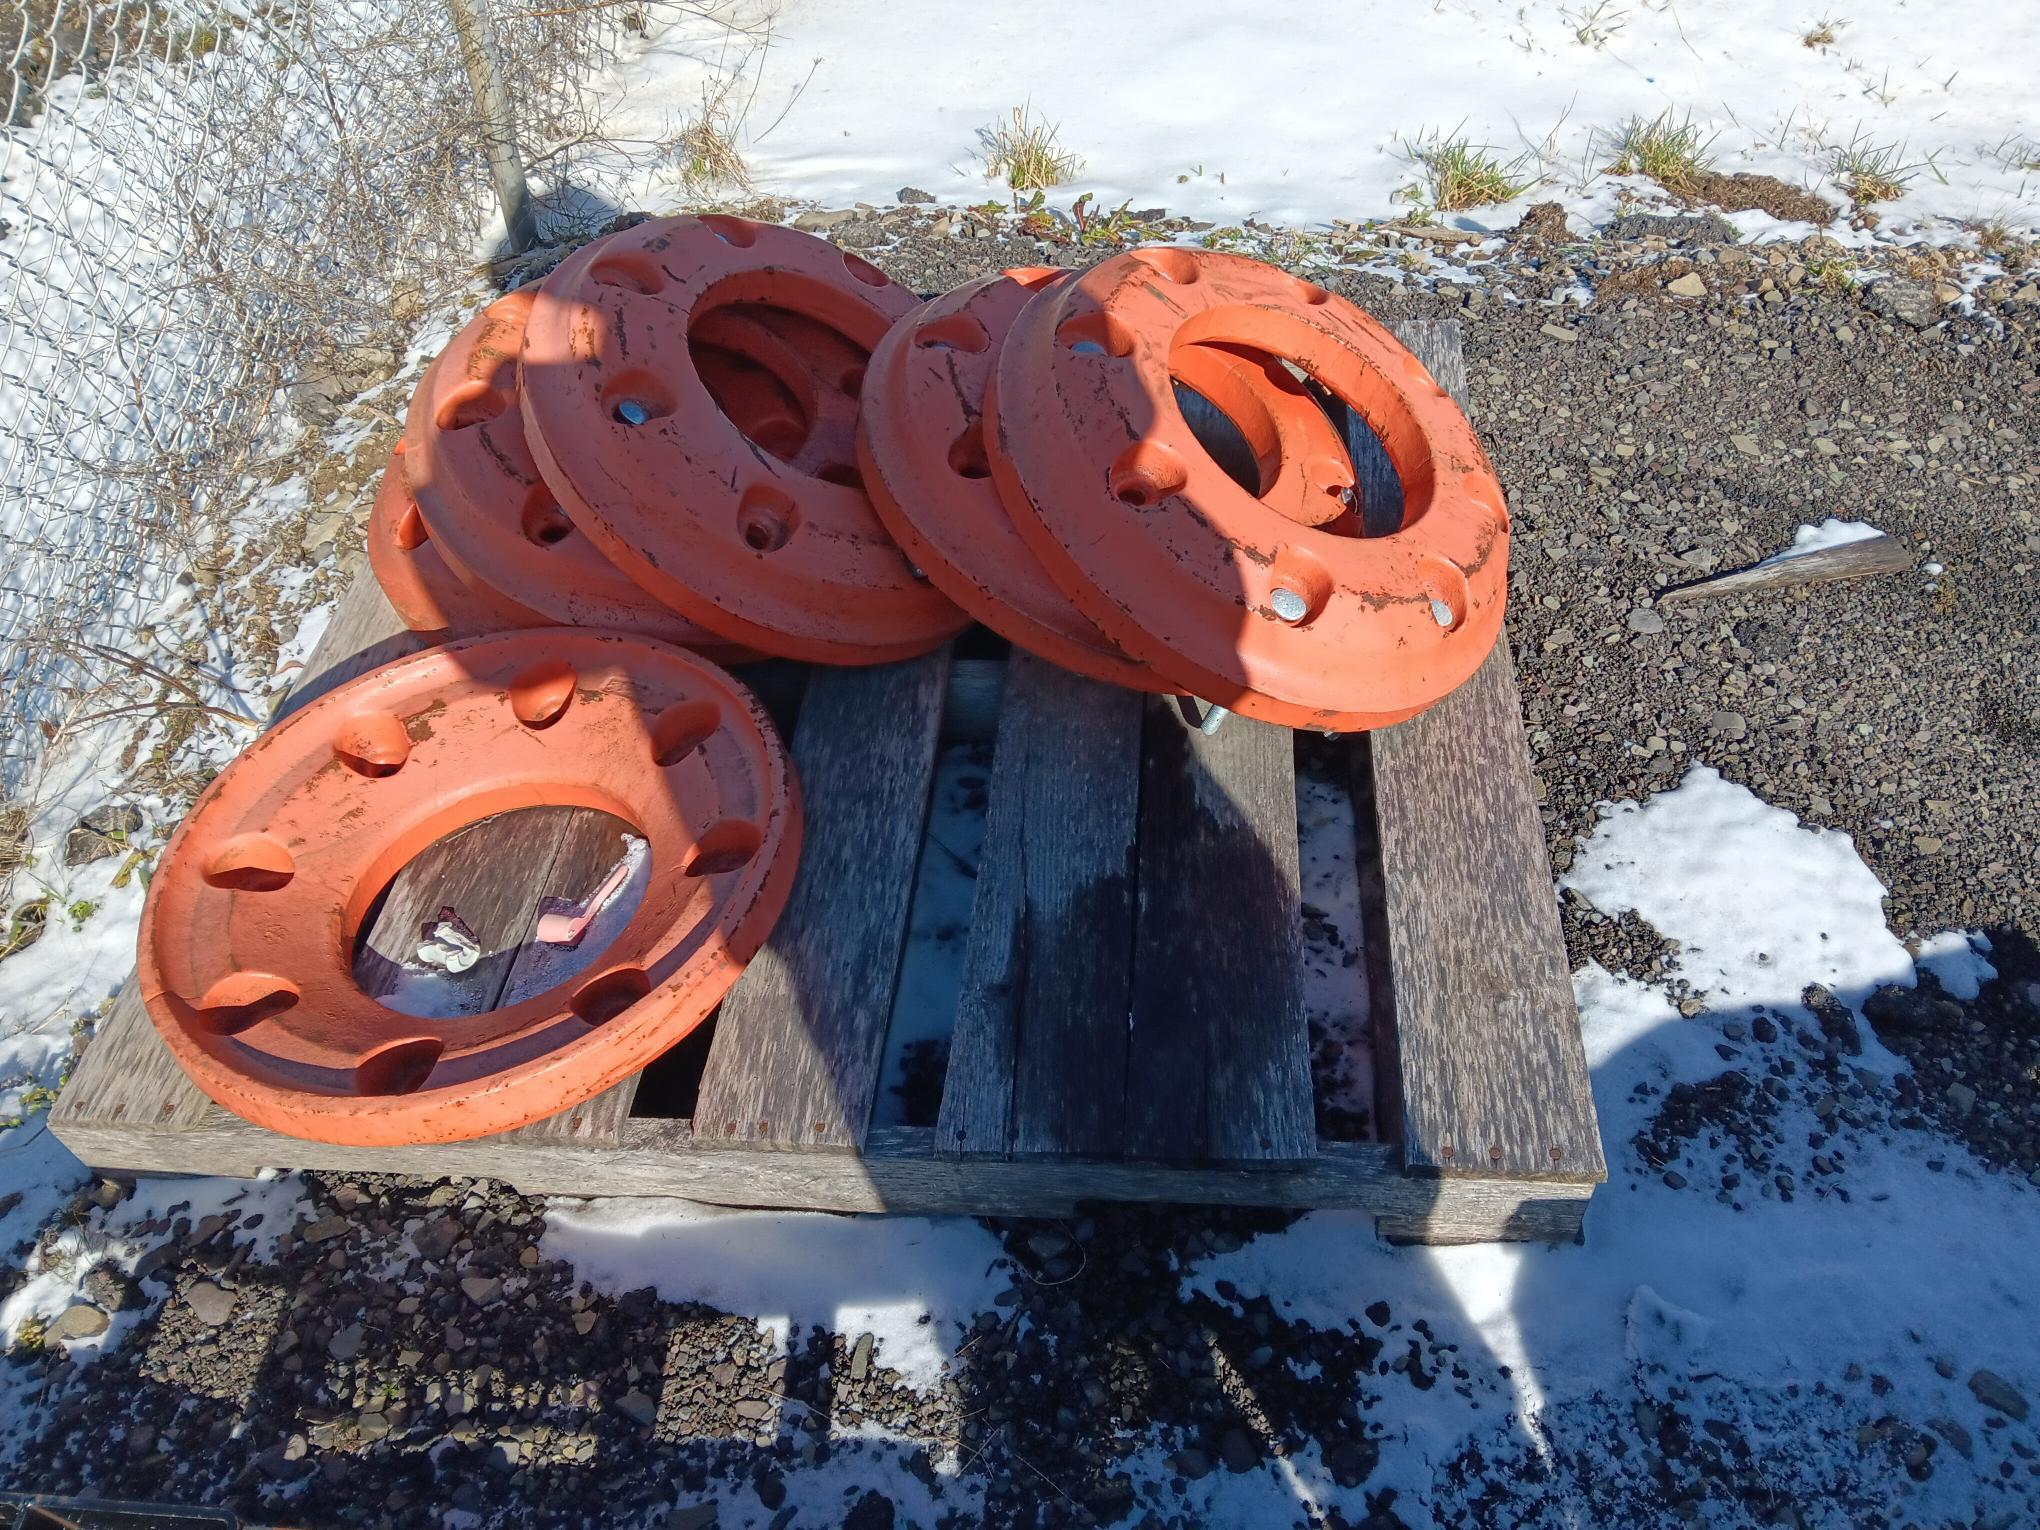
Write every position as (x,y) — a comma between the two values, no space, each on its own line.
(1761,904)
(1958,959)
(828,118)
(1829,533)
(914,1283)
(1777,1309)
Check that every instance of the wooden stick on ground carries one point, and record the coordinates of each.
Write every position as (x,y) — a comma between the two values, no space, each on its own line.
(1851,560)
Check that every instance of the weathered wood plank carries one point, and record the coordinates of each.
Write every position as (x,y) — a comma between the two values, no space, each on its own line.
(799,1040)
(1851,560)
(1218,1048)
(975,1118)
(1073,760)
(899,1171)
(1493,1072)
(1488,1064)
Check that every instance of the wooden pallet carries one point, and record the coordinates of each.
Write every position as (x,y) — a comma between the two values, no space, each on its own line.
(1130,1024)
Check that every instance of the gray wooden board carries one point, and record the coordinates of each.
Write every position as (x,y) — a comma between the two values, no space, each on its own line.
(1072,760)
(1493,1072)
(1490,1069)
(898,1171)
(799,1041)
(1218,1046)
(975,1118)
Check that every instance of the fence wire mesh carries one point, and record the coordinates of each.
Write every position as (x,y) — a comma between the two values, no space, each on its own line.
(205,211)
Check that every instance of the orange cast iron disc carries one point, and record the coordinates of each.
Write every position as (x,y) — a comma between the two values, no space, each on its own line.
(1264,604)
(922,450)
(621,423)
(494,521)
(249,928)
(425,593)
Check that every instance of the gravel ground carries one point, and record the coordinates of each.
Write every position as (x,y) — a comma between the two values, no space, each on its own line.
(406,1347)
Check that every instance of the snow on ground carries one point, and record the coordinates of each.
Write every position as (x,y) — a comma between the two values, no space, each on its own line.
(1670,1288)
(1294,113)
(912,1282)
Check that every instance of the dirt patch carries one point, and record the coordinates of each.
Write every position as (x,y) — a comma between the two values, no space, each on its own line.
(1760,193)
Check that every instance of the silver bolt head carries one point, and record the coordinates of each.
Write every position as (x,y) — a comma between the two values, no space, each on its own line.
(1288,604)
(1441,613)
(631,412)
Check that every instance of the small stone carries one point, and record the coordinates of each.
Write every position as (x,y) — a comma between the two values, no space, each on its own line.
(347,1342)
(1954,1434)
(583,1321)
(860,1357)
(1961,1099)
(914,196)
(638,1406)
(294,1448)
(1946,293)
(1844,333)
(696,1516)
(1729,725)
(1378,1314)
(1189,1464)
(820,222)
(1688,286)
(1238,1451)
(482,1289)
(1674,1179)
(1747,445)
(1908,302)
(2028,294)
(435,1240)
(80,1321)
(1559,332)
(1999,1395)
(102,832)
(324,1229)
(1826,447)
(1645,621)
(109,1289)
(372,1426)
(210,1304)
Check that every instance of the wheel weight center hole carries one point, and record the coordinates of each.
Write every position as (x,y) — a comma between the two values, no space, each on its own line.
(485,916)
(771,372)
(1265,426)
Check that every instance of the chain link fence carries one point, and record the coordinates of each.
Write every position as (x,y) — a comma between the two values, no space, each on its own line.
(204,211)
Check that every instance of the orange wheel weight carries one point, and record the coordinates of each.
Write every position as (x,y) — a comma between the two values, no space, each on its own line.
(248,931)
(923,452)
(492,517)
(425,593)
(1262,603)
(621,422)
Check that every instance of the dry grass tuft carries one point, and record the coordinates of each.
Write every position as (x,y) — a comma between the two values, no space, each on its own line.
(1455,174)
(1023,152)
(1872,172)
(1822,33)
(1672,153)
